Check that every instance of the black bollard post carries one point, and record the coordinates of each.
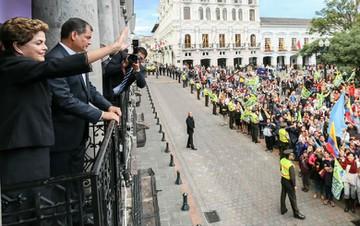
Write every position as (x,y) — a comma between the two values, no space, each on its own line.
(167,150)
(178,178)
(185,206)
(163,136)
(157,121)
(171,164)
(160,130)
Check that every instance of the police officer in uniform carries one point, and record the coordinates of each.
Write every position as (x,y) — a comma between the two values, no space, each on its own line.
(254,125)
(198,89)
(206,94)
(214,100)
(288,184)
(232,108)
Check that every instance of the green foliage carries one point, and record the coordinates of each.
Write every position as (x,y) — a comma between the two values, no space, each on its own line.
(344,48)
(337,16)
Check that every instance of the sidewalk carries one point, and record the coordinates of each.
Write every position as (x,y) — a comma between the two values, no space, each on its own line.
(153,156)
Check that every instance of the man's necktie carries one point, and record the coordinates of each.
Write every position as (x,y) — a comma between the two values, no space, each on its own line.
(120,88)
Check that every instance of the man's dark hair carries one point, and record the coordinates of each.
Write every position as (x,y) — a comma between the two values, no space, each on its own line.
(74,24)
(141,50)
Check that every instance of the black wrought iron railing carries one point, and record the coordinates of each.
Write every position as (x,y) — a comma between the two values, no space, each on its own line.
(96,196)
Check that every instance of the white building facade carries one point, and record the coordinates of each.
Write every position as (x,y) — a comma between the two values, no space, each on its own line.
(227,33)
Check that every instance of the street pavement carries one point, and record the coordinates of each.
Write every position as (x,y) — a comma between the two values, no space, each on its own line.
(228,173)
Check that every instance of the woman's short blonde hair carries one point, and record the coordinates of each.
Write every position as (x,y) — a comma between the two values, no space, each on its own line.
(20,30)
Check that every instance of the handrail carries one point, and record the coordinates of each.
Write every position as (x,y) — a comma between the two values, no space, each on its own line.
(103,148)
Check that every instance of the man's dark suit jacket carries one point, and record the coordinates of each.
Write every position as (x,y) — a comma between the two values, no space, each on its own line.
(70,106)
(190,125)
(25,100)
(115,74)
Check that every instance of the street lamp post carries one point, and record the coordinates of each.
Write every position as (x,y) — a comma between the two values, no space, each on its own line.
(324,44)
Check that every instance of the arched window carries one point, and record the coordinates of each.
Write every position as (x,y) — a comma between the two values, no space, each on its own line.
(201,13)
(240,15)
(205,40)
(267,44)
(187,41)
(187,13)
(224,14)
(252,15)
(252,40)
(237,40)
(208,14)
(233,13)
(217,14)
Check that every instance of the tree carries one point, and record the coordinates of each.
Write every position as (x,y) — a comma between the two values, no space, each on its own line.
(344,48)
(337,16)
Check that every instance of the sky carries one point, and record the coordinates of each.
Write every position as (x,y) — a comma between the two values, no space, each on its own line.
(147,11)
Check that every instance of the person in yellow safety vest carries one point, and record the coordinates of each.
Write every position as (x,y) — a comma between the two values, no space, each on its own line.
(254,119)
(206,94)
(198,88)
(183,78)
(283,139)
(231,107)
(192,83)
(214,100)
(288,184)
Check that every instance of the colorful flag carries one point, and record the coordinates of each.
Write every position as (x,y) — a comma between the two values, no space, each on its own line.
(331,145)
(305,93)
(299,117)
(338,79)
(337,182)
(337,116)
(317,75)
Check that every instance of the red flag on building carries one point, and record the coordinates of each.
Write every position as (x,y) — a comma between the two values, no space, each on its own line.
(298,44)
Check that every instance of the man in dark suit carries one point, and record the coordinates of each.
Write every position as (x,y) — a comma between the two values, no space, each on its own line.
(190,126)
(71,110)
(124,69)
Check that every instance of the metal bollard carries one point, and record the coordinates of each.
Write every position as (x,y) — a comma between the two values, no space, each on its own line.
(167,150)
(163,136)
(178,180)
(160,130)
(185,206)
(171,164)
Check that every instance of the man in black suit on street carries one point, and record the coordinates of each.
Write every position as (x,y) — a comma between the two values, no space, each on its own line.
(71,109)
(190,124)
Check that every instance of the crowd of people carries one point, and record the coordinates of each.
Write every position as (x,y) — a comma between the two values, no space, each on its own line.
(289,110)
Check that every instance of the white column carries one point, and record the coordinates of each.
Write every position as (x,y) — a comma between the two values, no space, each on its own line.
(273,61)
(287,60)
(299,61)
(106,27)
(312,60)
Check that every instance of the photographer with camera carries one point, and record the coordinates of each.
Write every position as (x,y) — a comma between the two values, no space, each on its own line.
(124,69)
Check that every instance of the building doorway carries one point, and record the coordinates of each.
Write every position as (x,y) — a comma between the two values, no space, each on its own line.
(267,61)
(221,62)
(280,61)
(188,63)
(205,62)
(253,61)
(237,62)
